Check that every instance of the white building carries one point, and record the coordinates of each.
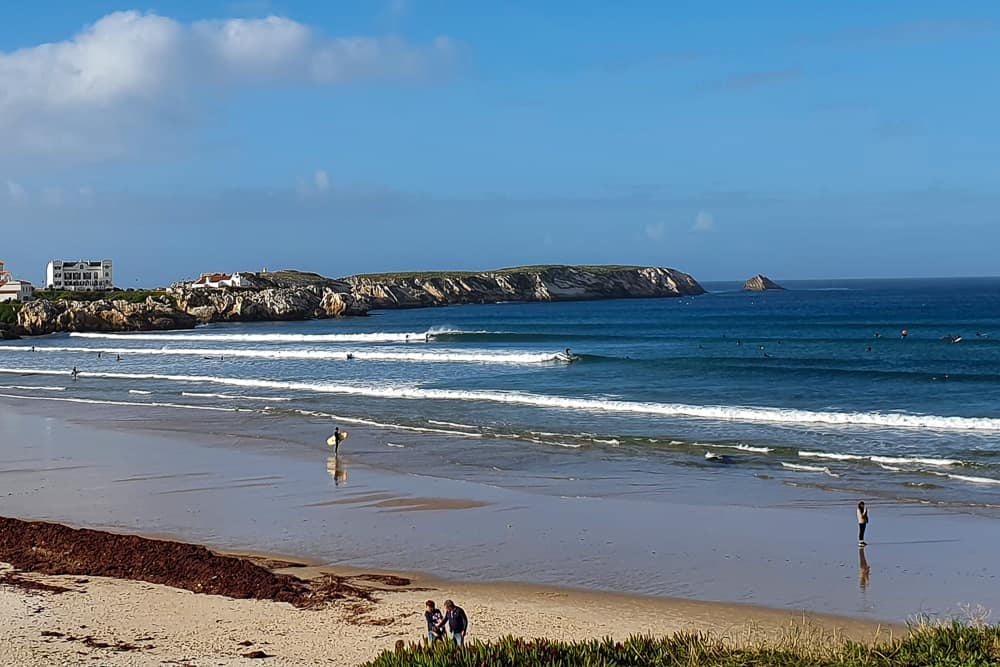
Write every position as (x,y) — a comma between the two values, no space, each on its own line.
(219,280)
(14,290)
(79,276)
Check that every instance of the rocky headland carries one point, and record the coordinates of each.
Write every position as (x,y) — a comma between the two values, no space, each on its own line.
(760,283)
(293,295)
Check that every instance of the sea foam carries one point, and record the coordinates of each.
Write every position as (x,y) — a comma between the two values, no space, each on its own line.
(710,412)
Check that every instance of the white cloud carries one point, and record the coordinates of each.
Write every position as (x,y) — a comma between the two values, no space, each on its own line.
(322,180)
(131,74)
(656,231)
(704,222)
(16,192)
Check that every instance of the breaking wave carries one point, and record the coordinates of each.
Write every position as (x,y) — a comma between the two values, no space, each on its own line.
(340,355)
(710,412)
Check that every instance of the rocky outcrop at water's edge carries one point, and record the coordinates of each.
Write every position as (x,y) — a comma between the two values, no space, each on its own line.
(760,283)
(292,295)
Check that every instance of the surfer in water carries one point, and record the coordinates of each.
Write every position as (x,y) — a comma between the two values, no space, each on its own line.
(74,373)
(862,523)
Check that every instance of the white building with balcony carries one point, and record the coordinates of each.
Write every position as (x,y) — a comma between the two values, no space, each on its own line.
(14,290)
(82,276)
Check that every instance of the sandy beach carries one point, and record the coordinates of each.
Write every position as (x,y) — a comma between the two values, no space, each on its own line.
(520,562)
(114,622)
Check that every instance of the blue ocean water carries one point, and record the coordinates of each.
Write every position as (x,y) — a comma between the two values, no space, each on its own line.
(812,385)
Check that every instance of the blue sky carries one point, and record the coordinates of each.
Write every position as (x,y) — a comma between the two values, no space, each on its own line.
(724,139)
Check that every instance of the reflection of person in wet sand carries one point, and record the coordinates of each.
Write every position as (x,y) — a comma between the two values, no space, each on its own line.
(337,470)
(863,570)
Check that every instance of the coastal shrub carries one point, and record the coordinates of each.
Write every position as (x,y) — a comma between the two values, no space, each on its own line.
(954,645)
(134,296)
(8,312)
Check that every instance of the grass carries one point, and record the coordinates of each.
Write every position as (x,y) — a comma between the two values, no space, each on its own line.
(136,296)
(950,645)
(8,312)
(444,275)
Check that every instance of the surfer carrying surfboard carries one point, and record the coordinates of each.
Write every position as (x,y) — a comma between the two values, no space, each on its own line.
(862,523)
(335,439)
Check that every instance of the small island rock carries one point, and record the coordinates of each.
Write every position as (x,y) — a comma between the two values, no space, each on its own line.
(760,283)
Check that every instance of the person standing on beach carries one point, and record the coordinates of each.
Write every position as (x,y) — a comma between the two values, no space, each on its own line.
(435,622)
(862,523)
(458,622)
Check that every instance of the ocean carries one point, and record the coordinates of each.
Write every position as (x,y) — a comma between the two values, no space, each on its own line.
(815,387)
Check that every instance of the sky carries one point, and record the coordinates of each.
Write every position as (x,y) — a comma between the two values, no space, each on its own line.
(724,139)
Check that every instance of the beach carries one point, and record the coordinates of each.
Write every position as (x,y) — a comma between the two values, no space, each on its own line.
(245,482)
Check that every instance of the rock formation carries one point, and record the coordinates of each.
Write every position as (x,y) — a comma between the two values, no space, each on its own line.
(44,317)
(269,304)
(291,295)
(550,283)
(760,283)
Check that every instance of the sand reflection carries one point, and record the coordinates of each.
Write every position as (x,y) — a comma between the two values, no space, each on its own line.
(337,470)
(864,571)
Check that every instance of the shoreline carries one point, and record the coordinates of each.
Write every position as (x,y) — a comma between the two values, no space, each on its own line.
(65,616)
(244,482)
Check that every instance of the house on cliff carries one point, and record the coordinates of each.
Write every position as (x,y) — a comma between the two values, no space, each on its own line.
(14,290)
(211,280)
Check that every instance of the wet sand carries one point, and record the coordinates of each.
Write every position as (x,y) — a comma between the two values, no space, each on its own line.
(247,482)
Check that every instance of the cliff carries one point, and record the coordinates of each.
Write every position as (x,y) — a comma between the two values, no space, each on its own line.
(530,283)
(44,317)
(306,302)
(760,283)
(291,295)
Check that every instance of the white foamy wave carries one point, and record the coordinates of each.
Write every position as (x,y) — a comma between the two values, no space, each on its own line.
(315,355)
(889,468)
(741,447)
(91,401)
(908,460)
(802,468)
(437,422)
(967,478)
(375,424)
(567,445)
(711,412)
(611,441)
(392,444)
(195,394)
(374,337)
(828,455)
(24,387)
(139,392)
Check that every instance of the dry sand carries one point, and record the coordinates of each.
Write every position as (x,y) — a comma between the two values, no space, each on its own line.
(114,622)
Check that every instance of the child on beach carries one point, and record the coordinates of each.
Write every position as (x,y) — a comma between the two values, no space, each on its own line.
(862,523)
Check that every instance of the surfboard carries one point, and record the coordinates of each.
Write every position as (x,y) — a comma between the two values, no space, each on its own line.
(332,440)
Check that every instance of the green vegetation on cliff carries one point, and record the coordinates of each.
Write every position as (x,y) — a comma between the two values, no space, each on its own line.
(953,645)
(135,296)
(526,270)
(8,312)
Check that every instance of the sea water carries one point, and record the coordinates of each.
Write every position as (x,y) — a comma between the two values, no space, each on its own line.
(816,386)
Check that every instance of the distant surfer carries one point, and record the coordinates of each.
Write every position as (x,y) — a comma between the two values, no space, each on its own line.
(869,349)
(862,523)
(878,335)
(98,355)
(74,373)
(427,337)
(118,358)
(350,356)
(335,439)
(904,333)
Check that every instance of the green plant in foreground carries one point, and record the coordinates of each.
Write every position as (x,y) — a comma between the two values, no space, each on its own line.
(9,311)
(954,645)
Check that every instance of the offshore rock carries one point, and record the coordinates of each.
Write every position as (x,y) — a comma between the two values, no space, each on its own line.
(760,283)
(530,283)
(315,301)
